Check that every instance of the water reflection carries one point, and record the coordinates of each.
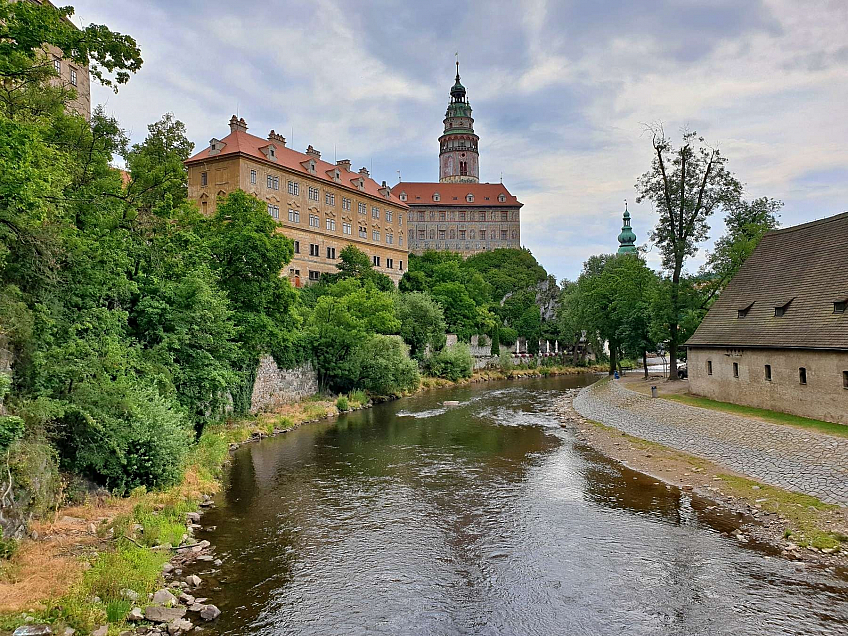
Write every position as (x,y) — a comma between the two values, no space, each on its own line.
(486,518)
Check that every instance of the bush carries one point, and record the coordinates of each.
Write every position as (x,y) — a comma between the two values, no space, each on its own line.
(505,361)
(383,366)
(342,403)
(508,336)
(358,397)
(496,343)
(8,547)
(482,340)
(452,363)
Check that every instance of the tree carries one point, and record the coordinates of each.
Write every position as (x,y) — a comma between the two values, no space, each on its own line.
(745,225)
(354,263)
(686,185)
(496,341)
(383,366)
(422,322)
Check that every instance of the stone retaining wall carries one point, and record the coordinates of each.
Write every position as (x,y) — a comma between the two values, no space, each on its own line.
(275,387)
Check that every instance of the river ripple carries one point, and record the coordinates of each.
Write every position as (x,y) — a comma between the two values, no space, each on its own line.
(487,518)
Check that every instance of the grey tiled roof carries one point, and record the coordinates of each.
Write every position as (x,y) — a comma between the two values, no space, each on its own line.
(806,266)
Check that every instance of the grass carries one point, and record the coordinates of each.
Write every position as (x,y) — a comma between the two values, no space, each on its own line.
(803,512)
(775,417)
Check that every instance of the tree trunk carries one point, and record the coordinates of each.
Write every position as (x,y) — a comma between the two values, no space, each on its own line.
(645,362)
(673,327)
(613,357)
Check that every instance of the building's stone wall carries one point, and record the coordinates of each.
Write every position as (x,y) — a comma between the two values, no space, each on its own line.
(432,227)
(275,387)
(823,397)
(229,173)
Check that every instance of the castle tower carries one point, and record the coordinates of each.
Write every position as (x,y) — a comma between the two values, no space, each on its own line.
(627,238)
(459,161)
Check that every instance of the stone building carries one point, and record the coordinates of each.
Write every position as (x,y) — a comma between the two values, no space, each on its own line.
(459,213)
(322,206)
(70,75)
(777,337)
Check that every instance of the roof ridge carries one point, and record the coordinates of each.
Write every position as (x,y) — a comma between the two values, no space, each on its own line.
(792,228)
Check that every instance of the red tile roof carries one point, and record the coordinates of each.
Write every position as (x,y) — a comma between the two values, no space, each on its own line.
(239,142)
(455,193)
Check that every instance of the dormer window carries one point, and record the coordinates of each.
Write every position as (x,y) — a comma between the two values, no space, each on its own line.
(780,310)
(270,152)
(469,197)
(840,306)
(501,198)
(436,197)
(741,313)
(403,196)
(215,146)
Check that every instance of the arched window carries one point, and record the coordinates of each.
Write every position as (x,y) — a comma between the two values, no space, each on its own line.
(463,167)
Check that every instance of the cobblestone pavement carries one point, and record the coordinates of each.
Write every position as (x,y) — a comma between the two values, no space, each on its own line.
(792,458)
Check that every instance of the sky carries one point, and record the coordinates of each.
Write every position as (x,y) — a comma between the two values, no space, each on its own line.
(562,92)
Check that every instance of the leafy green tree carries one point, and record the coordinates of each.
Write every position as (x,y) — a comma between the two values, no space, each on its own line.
(460,309)
(686,185)
(354,263)
(422,322)
(507,270)
(452,363)
(383,366)
(496,341)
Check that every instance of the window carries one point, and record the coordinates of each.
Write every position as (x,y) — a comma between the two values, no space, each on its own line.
(741,313)
(840,306)
(204,179)
(420,216)
(709,367)
(436,197)
(462,216)
(501,198)
(293,188)
(470,198)
(274,183)
(274,210)
(463,165)
(331,224)
(331,253)
(363,233)
(313,194)
(400,267)
(388,216)
(768,373)
(503,235)
(802,375)
(313,275)
(403,196)
(253,177)
(376,261)
(57,65)
(482,235)
(441,235)
(329,198)
(314,221)
(314,249)
(390,263)
(345,203)
(363,209)
(297,247)
(347,228)
(462,235)
(375,213)
(294,216)
(74,76)
(845,379)
(390,238)
(504,216)
(375,235)
(735,369)
(441,216)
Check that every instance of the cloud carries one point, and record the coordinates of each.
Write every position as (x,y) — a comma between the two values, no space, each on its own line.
(561,92)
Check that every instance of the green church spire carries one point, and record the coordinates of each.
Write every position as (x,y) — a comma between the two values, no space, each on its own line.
(627,239)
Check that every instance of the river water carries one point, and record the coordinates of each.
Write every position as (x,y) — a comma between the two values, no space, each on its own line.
(486,518)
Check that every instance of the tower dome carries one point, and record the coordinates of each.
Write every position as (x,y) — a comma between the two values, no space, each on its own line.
(459,160)
(627,238)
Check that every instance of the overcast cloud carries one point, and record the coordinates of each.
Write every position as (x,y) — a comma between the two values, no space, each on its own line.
(560,91)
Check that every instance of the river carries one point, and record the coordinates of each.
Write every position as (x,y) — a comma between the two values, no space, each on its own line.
(486,518)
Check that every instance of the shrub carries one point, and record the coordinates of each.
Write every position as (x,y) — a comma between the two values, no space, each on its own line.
(453,363)
(7,546)
(358,397)
(508,336)
(342,403)
(505,361)
(383,366)
(496,343)
(482,340)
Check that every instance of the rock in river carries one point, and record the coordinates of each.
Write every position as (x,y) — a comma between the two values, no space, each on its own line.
(164,597)
(157,614)
(210,613)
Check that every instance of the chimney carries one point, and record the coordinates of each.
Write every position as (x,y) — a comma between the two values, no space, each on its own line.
(344,163)
(237,124)
(364,172)
(272,136)
(313,152)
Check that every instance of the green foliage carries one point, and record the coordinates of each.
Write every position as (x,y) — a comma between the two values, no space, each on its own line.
(452,363)
(358,397)
(508,336)
(496,342)
(11,429)
(354,263)
(422,322)
(507,270)
(505,361)
(342,403)
(8,547)
(382,366)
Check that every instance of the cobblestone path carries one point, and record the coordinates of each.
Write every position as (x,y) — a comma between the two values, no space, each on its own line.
(792,458)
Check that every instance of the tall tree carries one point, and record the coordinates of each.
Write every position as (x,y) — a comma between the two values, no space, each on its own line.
(686,185)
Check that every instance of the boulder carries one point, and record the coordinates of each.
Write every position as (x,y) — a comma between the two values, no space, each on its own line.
(179,626)
(156,614)
(194,517)
(135,615)
(164,597)
(33,630)
(210,613)
(103,630)
(167,567)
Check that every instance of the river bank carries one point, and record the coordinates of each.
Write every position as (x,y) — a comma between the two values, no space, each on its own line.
(795,526)
(87,565)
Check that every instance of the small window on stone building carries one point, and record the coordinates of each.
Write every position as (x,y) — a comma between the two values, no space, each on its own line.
(73,77)
(735,369)
(845,379)
(802,375)
(709,367)
(204,179)
(741,313)
(840,306)
(768,373)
